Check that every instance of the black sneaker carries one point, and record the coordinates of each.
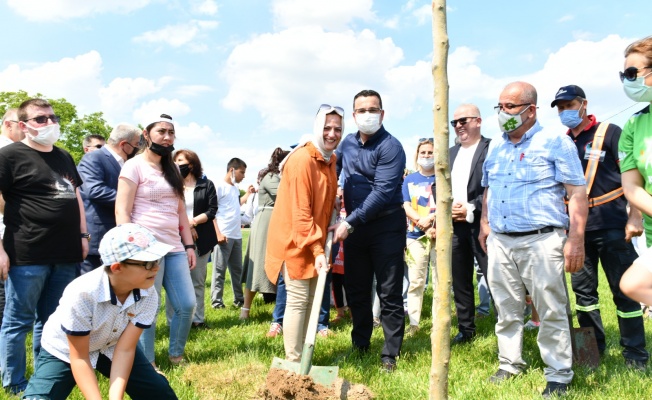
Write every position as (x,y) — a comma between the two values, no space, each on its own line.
(638,365)
(554,389)
(238,304)
(217,306)
(462,338)
(500,376)
(389,366)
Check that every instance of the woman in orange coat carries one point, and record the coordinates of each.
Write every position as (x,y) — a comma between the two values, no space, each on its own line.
(299,222)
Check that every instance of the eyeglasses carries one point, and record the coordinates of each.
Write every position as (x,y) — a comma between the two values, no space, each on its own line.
(509,106)
(462,121)
(425,139)
(147,265)
(132,146)
(368,110)
(328,107)
(631,73)
(42,119)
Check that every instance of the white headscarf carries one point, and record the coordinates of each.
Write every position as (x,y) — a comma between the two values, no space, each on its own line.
(317,137)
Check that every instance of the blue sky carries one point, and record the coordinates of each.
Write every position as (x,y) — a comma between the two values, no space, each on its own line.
(241,77)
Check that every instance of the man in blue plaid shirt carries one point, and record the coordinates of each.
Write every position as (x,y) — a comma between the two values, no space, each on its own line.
(526,174)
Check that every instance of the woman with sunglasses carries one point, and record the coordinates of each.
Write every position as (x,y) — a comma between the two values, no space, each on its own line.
(201,207)
(299,222)
(151,194)
(419,206)
(636,164)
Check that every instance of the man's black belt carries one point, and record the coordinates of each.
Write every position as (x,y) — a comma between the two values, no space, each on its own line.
(547,229)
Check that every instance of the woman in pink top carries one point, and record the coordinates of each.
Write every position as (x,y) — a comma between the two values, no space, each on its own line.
(150,193)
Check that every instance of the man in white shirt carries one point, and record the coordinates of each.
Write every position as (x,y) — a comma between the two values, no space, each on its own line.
(466,159)
(228,252)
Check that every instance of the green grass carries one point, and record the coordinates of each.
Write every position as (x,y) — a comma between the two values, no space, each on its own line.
(231,360)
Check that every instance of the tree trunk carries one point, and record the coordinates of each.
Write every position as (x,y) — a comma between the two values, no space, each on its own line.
(441,308)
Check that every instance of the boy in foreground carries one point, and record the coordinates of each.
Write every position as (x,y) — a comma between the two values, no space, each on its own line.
(98,322)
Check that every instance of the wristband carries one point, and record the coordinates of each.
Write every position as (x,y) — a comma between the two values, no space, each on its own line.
(190,246)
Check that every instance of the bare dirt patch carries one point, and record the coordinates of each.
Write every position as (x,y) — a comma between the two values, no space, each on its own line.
(285,385)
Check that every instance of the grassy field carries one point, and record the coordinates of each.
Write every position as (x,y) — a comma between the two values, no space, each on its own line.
(231,361)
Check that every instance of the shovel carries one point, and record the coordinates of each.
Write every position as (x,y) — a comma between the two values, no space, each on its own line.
(323,375)
(583,342)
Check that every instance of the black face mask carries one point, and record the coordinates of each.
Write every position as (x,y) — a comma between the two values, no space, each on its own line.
(184,169)
(134,151)
(160,149)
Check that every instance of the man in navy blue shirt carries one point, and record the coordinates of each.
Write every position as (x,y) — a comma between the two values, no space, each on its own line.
(372,163)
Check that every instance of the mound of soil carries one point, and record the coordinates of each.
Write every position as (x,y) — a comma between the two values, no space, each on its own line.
(285,385)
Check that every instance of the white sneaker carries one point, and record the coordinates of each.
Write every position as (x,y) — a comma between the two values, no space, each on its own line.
(531,325)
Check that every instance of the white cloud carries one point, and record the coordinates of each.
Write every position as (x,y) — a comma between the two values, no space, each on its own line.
(423,14)
(205,7)
(77,79)
(566,18)
(185,34)
(285,76)
(56,10)
(193,90)
(334,15)
(151,110)
(120,97)
(392,23)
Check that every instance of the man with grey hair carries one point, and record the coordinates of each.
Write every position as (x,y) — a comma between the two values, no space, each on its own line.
(100,171)
(10,132)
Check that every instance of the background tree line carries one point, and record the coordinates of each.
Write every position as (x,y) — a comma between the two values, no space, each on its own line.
(73,127)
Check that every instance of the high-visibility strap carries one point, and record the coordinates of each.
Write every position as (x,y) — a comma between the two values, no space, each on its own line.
(605,198)
(587,308)
(631,314)
(596,148)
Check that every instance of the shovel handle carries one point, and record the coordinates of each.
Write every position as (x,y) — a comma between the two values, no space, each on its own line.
(309,343)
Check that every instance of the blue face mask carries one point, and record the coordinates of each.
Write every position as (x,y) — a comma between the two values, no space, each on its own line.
(570,118)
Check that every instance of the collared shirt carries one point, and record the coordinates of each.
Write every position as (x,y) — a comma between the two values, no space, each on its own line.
(526,180)
(373,175)
(90,307)
(115,155)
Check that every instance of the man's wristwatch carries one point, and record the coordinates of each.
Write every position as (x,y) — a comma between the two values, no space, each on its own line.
(348,227)
(86,235)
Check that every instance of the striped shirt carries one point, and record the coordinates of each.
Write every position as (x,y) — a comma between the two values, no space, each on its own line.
(526,180)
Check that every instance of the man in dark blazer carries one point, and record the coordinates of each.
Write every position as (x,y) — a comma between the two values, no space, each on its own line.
(466,159)
(99,171)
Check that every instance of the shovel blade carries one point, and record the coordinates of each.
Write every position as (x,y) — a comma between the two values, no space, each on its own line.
(325,376)
(585,351)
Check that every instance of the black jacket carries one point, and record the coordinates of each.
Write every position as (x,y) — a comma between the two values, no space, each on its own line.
(205,201)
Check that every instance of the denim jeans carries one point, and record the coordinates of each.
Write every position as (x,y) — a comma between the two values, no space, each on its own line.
(32,295)
(281,298)
(174,276)
(229,255)
(53,379)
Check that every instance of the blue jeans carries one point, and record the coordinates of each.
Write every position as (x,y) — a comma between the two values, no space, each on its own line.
(281,298)
(32,294)
(174,276)
(53,379)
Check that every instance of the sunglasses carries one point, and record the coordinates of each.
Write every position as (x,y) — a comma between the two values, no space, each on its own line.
(147,265)
(462,121)
(328,107)
(631,73)
(42,119)
(425,139)
(97,146)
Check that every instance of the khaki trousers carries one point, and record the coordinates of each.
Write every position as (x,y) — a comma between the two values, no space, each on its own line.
(300,293)
(535,262)
(418,260)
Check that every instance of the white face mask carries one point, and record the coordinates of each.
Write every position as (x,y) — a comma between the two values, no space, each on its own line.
(368,123)
(508,122)
(426,163)
(637,90)
(47,135)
